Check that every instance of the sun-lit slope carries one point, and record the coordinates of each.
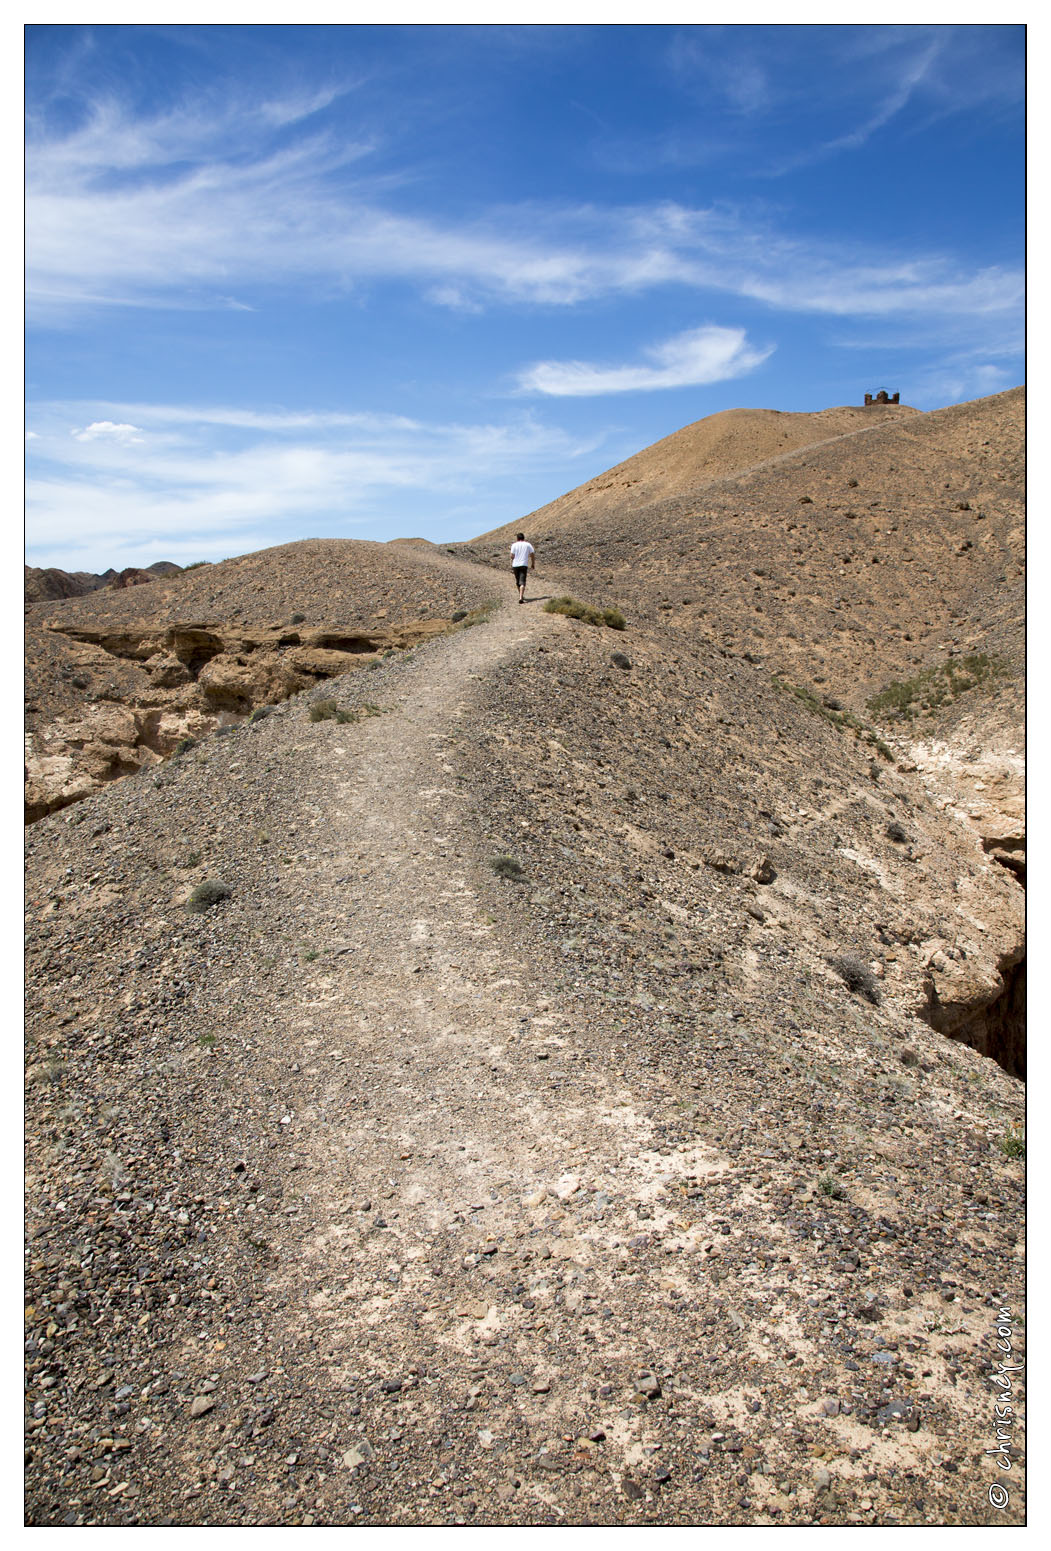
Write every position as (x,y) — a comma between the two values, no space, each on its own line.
(719,445)
(845,562)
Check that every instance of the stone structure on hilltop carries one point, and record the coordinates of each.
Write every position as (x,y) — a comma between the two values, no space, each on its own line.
(882,397)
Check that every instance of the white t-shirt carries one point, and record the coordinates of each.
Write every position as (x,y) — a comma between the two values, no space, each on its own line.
(520,552)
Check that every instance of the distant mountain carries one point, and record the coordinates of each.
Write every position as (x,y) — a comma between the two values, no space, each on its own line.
(47,584)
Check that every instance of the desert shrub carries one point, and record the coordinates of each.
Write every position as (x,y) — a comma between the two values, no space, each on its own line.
(211,892)
(572,608)
(183,746)
(195,565)
(259,713)
(896,833)
(619,660)
(459,614)
(829,1186)
(329,711)
(297,619)
(478,616)
(1012,1143)
(857,976)
(507,867)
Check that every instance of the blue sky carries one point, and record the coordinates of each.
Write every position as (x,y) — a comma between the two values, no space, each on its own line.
(371,282)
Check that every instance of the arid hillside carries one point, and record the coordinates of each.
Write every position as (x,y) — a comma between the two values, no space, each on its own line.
(849,559)
(559,1075)
(116,681)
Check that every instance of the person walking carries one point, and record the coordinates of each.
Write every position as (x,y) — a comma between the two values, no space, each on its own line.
(523,560)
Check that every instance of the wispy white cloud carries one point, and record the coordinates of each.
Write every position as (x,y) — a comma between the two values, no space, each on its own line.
(132,213)
(914,72)
(702,355)
(211,481)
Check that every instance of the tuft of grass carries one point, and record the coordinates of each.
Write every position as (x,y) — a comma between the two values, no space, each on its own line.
(329,711)
(904,699)
(1012,1143)
(830,1186)
(183,746)
(206,1041)
(478,616)
(856,975)
(572,608)
(195,565)
(259,713)
(207,894)
(507,867)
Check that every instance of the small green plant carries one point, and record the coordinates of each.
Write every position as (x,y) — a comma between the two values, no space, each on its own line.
(844,720)
(208,894)
(297,619)
(310,955)
(1012,1143)
(206,1041)
(614,619)
(830,1186)
(857,976)
(507,867)
(260,712)
(194,859)
(195,565)
(183,746)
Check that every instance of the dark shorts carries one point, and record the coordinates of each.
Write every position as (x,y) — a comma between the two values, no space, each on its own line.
(521,572)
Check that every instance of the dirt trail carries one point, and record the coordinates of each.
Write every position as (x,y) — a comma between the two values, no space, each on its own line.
(464,1206)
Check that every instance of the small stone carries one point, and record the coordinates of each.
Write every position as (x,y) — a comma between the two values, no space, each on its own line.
(542,1387)
(359,1455)
(201,1405)
(474,1309)
(648,1387)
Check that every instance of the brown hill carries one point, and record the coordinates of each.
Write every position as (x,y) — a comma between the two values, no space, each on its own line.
(43,586)
(118,679)
(523,1096)
(730,442)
